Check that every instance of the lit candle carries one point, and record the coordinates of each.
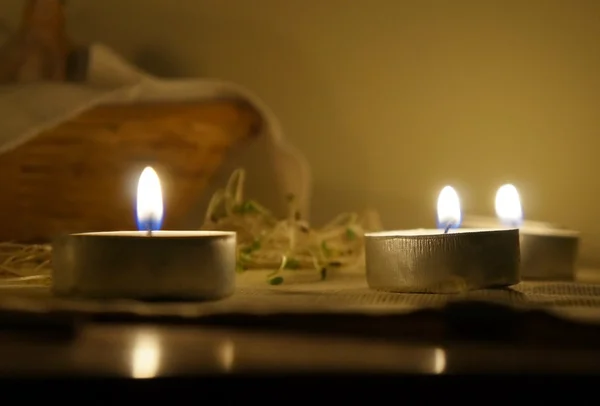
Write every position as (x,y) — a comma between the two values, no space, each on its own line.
(444,260)
(148,263)
(448,209)
(547,251)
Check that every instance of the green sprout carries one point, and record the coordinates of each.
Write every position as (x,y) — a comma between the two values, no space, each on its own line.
(255,246)
(326,250)
(278,280)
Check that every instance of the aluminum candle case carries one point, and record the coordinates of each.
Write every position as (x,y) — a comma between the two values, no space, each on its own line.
(548,252)
(446,260)
(146,264)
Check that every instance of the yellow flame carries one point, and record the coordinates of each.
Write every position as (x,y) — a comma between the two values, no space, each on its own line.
(508,205)
(149,197)
(448,207)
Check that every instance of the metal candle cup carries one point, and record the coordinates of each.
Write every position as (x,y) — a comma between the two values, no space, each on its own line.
(429,261)
(446,260)
(169,265)
(547,252)
(148,264)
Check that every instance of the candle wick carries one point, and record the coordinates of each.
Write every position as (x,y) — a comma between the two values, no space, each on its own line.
(448,227)
(149,232)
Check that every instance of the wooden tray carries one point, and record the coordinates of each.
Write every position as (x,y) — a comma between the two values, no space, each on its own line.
(82,175)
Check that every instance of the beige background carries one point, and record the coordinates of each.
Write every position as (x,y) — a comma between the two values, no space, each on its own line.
(392,99)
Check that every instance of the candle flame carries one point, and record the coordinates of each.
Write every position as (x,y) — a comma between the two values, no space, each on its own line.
(448,208)
(508,206)
(149,201)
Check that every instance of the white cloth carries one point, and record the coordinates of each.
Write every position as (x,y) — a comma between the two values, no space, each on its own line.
(28,109)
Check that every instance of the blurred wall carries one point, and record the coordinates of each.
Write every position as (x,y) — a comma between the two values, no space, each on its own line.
(392,99)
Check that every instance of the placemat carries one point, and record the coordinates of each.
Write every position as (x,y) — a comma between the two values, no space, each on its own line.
(342,294)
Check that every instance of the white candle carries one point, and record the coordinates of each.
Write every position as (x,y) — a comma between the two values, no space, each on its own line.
(444,260)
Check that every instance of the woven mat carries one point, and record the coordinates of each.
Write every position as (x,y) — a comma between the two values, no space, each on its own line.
(341,294)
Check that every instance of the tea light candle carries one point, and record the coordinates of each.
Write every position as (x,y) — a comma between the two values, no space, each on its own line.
(444,260)
(547,251)
(148,264)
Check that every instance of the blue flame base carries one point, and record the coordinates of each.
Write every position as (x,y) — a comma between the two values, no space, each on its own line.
(452,226)
(151,224)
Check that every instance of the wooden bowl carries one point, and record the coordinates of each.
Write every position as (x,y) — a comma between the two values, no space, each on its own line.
(82,175)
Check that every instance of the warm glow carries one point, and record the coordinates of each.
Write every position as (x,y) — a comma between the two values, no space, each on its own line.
(226,354)
(145,359)
(508,206)
(439,361)
(149,201)
(448,208)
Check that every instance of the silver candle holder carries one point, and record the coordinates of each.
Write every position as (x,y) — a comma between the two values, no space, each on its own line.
(171,265)
(434,261)
(548,252)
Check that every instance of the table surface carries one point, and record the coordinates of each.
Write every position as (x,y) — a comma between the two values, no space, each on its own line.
(127,350)
(345,293)
(148,351)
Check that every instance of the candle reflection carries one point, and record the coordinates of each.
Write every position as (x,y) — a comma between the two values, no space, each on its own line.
(145,359)
(439,361)
(226,355)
